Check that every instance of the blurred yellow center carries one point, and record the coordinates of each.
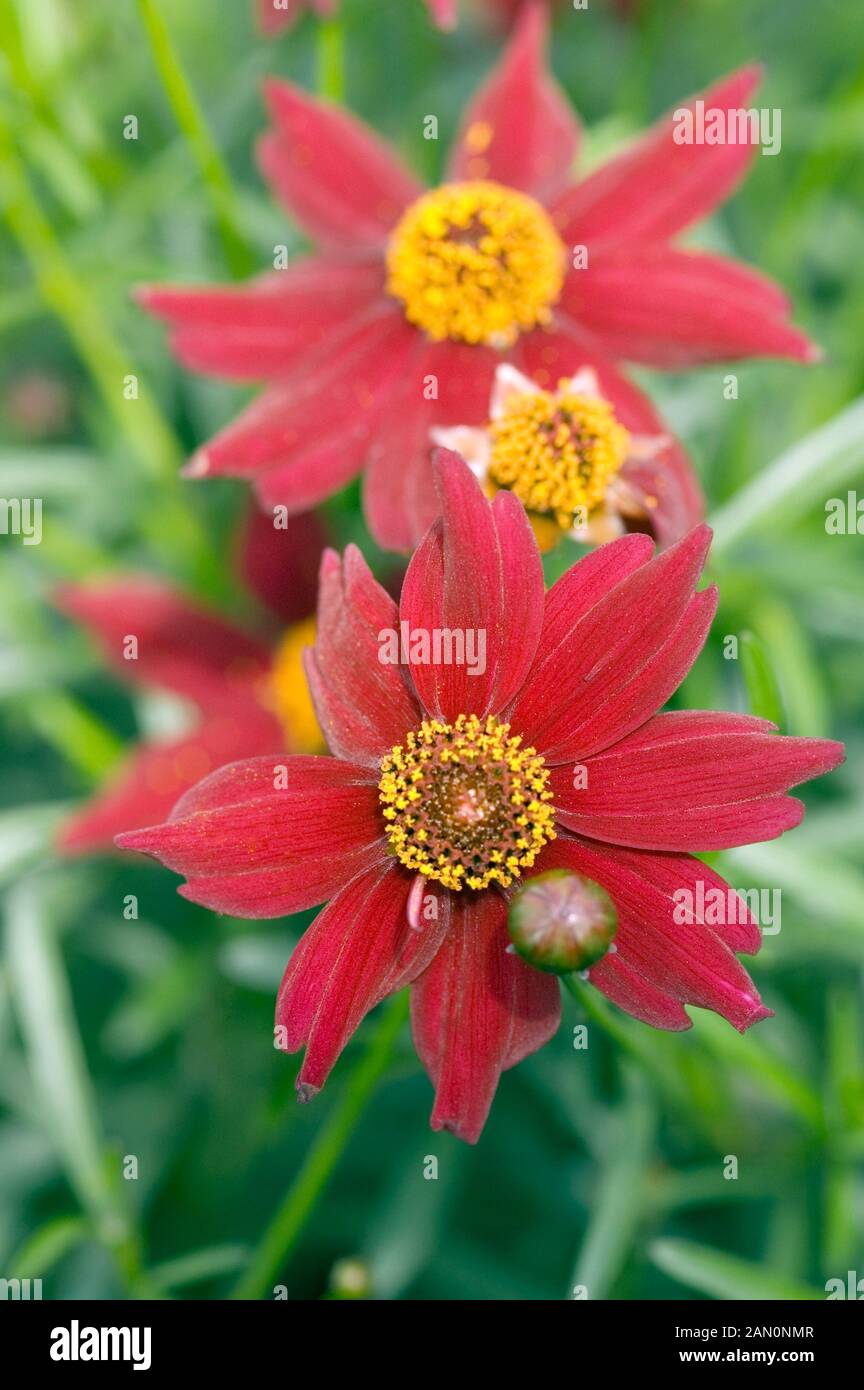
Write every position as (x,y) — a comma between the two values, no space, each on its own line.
(465,804)
(558,453)
(287,692)
(476,262)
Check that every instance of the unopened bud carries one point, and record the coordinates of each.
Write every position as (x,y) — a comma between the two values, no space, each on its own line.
(561,922)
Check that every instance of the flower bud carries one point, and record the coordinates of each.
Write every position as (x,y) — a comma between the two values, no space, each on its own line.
(561,922)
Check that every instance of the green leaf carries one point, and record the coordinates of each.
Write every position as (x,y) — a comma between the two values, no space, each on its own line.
(762,690)
(723,1276)
(805,474)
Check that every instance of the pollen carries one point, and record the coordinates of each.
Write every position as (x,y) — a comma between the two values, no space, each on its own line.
(557,452)
(286,692)
(475,262)
(465,804)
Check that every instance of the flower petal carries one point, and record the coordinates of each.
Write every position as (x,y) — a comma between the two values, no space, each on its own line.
(266,328)
(657,187)
(693,780)
(359,949)
(149,782)
(606,668)
(670,308)
(364,705)
(180,646)
(443,383)
(279,564)
(476,1011)
(519,129)
(344,185)
(270,835)
(678,955)
(332,402)
(487,581)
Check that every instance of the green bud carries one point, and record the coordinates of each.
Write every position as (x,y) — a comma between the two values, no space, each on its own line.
(561,922)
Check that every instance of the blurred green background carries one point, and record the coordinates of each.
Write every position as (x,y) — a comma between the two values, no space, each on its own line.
(601,1167)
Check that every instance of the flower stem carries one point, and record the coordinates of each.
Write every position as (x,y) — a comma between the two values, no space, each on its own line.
(284,1230)
(331,60)
(193,124)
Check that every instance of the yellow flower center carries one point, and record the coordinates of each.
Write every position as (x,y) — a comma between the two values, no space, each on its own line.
(476,262)
(465,803)
(286,692)
(558,453)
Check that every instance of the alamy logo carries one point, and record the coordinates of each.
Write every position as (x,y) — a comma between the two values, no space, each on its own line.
(21,516)
(20,1290)
(76,1343)
(715,125)
(437,646)
(713,906)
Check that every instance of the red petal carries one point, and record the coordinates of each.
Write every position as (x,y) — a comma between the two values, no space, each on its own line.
(671,308)
(181,647)
(655,188)
(443,12)
(666,485)
(364,705)
(280,563)
(343,184)
(476,1011)
(693,780)
(148,783)
(250,845)
(519,129)
(358,950)
(487,581)
(684,960)
(268,327)
(399,496)
(331,403)
(607,668)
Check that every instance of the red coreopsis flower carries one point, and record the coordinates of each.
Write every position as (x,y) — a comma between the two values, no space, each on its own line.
(246,688)
(276,15)
(451,783)
(397,325)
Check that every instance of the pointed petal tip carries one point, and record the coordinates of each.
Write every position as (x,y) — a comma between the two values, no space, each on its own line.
(306,1092)
(758,1013)
(198,465)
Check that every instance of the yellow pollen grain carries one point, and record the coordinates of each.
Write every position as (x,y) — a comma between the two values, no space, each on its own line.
(475,262)
(468,825)
(558,453)
(286,691)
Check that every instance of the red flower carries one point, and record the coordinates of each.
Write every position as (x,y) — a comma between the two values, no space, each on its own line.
(275,15)
(396,326)
(431,786)
(249,696)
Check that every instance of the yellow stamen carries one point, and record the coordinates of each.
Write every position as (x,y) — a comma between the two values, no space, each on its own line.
(465,804)
(476,262)
(286,691)
(558,453)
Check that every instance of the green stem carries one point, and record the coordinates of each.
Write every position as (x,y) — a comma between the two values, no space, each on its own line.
(193,124)
(284,1230)
(331,60)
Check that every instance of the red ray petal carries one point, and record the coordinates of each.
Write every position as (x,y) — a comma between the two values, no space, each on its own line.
(269,835)
(344,185)
(364,705)
(693,780)
(519,129)
(180,646)
(655,188)
(476,1011)
(358,950)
